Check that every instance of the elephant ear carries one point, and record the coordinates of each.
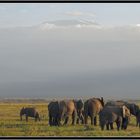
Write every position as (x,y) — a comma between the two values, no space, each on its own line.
(137,109)
(123,110)
(102,101)
(134,109)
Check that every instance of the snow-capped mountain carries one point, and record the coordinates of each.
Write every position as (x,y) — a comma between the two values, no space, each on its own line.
(69,23)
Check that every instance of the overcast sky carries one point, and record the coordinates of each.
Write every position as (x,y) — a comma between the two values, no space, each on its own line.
(69,50)
(105,13)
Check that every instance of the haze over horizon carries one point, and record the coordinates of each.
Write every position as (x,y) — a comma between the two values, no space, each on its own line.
(76,54)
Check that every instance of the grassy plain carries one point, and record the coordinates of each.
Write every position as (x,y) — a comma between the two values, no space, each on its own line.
(10,124)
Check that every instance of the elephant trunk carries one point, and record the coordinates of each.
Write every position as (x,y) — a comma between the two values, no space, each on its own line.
(123,110)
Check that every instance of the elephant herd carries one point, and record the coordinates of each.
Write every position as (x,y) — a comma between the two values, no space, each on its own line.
(79,111)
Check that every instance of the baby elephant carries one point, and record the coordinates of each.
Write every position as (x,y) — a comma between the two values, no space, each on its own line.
(29,112)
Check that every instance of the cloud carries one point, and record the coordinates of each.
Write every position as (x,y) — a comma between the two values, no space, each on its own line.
(78,13)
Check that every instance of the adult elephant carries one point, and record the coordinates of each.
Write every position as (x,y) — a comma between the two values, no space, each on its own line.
(92,107)
(29,112)
(111,114)
(138,119)
(80,110)
(62,110)
(67,109)
(131,106)
(53,111)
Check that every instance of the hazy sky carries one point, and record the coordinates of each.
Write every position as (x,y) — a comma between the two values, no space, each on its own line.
(104,13)
(69,50)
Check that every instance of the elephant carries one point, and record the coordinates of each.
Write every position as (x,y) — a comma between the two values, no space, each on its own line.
(53,110)
(92,107)
(29,112)
(62,110)
(67,108)
(110,114)
(80,110)
(138,119)
(131,106)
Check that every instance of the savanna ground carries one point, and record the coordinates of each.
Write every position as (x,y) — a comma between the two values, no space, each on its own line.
(10,124)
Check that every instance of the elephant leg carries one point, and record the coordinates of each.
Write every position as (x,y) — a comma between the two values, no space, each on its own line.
(86,118)
(74,115)
(54,121)
(66,120)
(122,125)
(111,126)
(107,126)
(82,119)
(77,122)
(95,121)
(118,125)
(78,118)
(50,120)
(102,126)
(26,118)
(73,120)
(58,122)
(92,118)
(125,127)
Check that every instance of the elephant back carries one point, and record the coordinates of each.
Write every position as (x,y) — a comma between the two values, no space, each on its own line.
(119,110)
(70,107)
(67,107)
(53,108)
(30,111)
(97,103)
(110,114)
(131,106)
(114,103)
(94,106)
(62,108)
(79,104)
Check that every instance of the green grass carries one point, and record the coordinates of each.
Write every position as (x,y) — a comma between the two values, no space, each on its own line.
(10,124)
